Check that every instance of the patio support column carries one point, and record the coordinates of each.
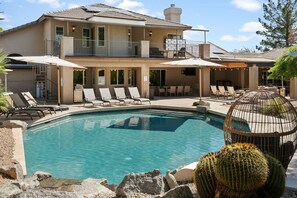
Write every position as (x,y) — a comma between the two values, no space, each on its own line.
(253,77)
(67,48)
(205,81)
(293,88)
(242,78)
(145,49)
(145,78)
(67,85)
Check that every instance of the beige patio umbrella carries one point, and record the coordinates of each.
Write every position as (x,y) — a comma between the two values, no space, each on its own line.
(197,63)
(50,60)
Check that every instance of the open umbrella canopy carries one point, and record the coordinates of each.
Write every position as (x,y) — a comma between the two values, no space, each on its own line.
(52,61)
(198,62)
(47,60)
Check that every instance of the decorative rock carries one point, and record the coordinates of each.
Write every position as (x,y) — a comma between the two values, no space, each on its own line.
(150,183)
(185,174)
(93,188)
(171,181)
(202,109)
(37,193)
(11,169)
(15,124)
(40,175)
(30,183)
(178,192)
(9,190)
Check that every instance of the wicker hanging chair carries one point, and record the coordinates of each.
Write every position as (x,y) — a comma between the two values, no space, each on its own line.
(265,119)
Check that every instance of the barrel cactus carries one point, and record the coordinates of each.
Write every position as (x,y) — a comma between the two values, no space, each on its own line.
(275,184)
(241,167)
(204,176)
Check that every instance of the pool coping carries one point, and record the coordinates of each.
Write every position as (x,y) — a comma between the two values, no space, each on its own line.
(291,183)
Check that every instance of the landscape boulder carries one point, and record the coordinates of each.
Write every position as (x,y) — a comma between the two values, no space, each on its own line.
(11,169)
(14,124)
(9,190)
(134,185)
(178,192)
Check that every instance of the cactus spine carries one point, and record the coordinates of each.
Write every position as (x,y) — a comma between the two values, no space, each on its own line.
(241,167)
(204,176)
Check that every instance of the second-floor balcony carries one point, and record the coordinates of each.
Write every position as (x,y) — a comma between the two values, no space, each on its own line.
(170,48)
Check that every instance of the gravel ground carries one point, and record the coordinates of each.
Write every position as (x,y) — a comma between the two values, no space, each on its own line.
(6,143)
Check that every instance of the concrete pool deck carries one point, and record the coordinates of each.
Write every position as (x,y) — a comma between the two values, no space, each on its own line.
(219,107)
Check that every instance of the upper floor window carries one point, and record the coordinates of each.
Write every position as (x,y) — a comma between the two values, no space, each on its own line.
(116,77)
(101,36)
(59,32)
(86,37)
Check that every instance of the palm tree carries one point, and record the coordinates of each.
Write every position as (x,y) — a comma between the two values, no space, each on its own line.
(3,63)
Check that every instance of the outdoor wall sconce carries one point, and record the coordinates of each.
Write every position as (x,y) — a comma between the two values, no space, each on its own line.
(151,33)
(129,33)
(73,28)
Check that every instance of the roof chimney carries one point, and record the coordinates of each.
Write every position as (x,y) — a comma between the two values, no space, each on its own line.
(173,13)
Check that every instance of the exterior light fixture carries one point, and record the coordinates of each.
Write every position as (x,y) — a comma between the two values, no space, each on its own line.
(151,33)
(73,28)
(129,33)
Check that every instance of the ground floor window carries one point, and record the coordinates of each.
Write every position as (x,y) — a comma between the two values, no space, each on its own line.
(101,77)
(79,77)
(116,77)
(157,77)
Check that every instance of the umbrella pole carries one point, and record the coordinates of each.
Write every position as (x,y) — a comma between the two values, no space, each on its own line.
(59,82)
(200,83)
(5,81)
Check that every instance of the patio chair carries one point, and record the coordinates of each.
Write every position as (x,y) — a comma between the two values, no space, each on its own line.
(232,92)
(89,96)
(214,91)
(19,104)
(172,90)
(180,90)
(33,103)
(106,96)
(187,90)
(223,92)
(121,96)
(134,93)
(161,90)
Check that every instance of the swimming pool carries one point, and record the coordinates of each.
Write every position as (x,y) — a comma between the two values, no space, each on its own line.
(112,144)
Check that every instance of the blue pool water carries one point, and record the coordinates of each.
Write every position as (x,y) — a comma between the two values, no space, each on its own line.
(111,144)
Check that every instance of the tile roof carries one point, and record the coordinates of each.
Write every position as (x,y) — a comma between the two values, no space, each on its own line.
(86,12)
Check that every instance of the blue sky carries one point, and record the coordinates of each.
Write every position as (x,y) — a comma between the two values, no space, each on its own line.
(232,23)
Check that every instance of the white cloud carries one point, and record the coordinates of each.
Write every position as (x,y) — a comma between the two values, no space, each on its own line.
(251,27)
(130,4)
(110,2)
(73,5)
(240,38)
(52,3)
(248,5)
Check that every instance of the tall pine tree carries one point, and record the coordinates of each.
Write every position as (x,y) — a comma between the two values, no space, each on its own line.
(280,17)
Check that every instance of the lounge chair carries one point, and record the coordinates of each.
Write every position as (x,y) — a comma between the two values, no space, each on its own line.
(232,92)
(106,96)
(89,96)
(121,96)
(19,104)
(214,91)
(33,103)
(223,92)
(134,93)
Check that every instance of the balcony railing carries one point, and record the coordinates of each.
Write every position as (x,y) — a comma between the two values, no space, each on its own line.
(52,47)
(85,47)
